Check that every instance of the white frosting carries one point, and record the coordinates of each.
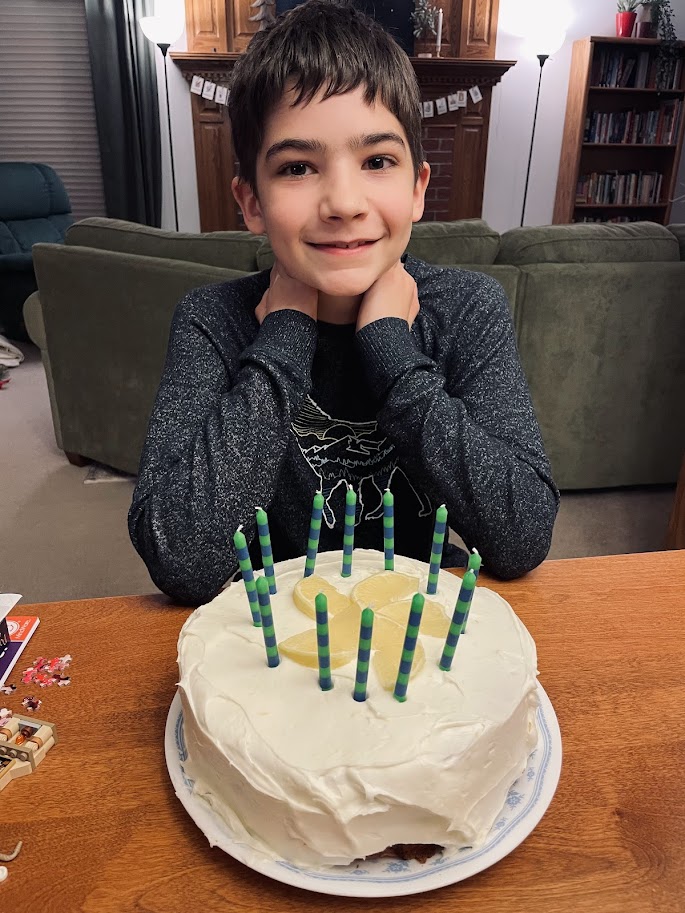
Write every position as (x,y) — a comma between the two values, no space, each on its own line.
(317,778)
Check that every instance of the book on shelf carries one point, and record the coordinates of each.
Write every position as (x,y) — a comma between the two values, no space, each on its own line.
(614,188)
(656,127)
(633,69)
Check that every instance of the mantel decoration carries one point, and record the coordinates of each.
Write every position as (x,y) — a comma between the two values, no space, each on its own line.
(425,17)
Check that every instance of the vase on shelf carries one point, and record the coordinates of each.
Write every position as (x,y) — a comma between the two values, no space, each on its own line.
(424,48)
(645,22)
(625,22)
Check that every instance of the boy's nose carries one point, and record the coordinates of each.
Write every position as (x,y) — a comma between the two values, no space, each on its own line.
(343,196)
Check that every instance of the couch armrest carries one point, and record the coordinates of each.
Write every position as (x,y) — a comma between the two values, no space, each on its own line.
(107,318)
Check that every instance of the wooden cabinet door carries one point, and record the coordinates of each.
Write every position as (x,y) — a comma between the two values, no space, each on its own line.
(207,26)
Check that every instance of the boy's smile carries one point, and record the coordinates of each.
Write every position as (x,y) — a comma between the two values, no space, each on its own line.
(329,172)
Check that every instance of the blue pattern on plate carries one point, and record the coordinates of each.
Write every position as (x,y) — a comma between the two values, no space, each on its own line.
(522,799)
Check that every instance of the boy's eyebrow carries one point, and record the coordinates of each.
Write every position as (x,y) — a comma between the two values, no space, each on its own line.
(315,145)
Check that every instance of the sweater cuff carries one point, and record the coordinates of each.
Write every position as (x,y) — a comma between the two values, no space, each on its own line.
(389,351)
(289,334)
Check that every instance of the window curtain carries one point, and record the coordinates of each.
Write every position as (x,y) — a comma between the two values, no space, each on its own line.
(125,92)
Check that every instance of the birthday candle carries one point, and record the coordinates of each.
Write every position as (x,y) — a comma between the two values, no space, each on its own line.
(314,533)
(410,638)
(389,529)
(272,657)
(348,535)
(322,645)
(475,562)
(248,574)
(436,550)
(363,655)
(265,545)
(461,610)
(474,565)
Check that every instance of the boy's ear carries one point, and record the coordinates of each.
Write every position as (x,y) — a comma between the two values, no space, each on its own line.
(420,191)
(249,204)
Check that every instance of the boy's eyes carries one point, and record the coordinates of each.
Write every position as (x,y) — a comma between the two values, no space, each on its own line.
(375,158)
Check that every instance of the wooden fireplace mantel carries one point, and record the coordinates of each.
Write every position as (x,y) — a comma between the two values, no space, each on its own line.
(455,143)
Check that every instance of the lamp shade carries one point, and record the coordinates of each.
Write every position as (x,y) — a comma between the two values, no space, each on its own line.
(542,24)
(162,29)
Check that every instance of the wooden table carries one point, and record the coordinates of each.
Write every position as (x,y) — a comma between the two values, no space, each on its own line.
(104,832)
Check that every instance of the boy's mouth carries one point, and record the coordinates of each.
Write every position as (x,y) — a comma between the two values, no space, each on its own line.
(341,248)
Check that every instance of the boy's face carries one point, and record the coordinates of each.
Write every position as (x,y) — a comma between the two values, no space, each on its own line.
(334,193)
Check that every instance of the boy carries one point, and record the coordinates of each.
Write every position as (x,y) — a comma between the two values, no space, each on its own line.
(359,366)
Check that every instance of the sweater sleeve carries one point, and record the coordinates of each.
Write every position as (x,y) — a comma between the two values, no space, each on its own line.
(215,444)
(468,433)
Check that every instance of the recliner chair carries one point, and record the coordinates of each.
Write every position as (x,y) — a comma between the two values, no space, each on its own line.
(34,206)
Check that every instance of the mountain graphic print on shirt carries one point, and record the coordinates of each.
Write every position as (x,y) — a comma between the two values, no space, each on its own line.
(340,451)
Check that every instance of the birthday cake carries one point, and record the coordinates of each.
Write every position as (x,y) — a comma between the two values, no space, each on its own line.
(318,778)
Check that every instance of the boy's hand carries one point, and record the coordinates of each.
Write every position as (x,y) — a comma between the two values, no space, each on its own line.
(285,292)
(393,294)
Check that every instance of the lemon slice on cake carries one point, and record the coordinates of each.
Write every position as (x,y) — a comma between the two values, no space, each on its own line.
(434,622)
(302,649)
(380,589)
(306,591)
(388,653)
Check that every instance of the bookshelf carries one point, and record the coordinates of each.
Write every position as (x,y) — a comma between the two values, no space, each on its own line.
(623,136)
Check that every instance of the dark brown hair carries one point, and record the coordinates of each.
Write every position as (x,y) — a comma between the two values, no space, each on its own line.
(321,43)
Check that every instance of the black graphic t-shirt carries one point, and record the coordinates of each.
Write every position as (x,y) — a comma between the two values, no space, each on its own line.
(265,416)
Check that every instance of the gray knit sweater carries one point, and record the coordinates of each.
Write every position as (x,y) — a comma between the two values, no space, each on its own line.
(265,416)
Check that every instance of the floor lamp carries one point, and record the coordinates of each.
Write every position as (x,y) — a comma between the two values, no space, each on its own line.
(542,58)
(163,31)
(545,36)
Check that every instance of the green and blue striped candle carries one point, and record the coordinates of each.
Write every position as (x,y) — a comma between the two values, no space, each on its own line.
(323,648)
(272,657)
(461,611)
(363,655)
(436,549)
(243,555)
(265,545)
(348,535)
(389,529)
(314,534)
(474,565)
(410,638)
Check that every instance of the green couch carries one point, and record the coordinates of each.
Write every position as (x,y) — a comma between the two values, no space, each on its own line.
(599,314)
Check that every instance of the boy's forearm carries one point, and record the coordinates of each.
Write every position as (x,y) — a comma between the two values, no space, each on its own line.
(498,488)
(202,475)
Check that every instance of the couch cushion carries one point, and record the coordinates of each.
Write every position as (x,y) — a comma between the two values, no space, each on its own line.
(679,232)
(469,241)
(225,249)
(632,242)
(454,243)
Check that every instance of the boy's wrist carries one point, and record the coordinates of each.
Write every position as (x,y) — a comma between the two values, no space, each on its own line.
(388,351)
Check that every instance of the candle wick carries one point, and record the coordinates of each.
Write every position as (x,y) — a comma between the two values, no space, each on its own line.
(239,528)
(258,508)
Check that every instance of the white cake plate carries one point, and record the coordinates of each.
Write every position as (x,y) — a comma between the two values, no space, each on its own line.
(526,803)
